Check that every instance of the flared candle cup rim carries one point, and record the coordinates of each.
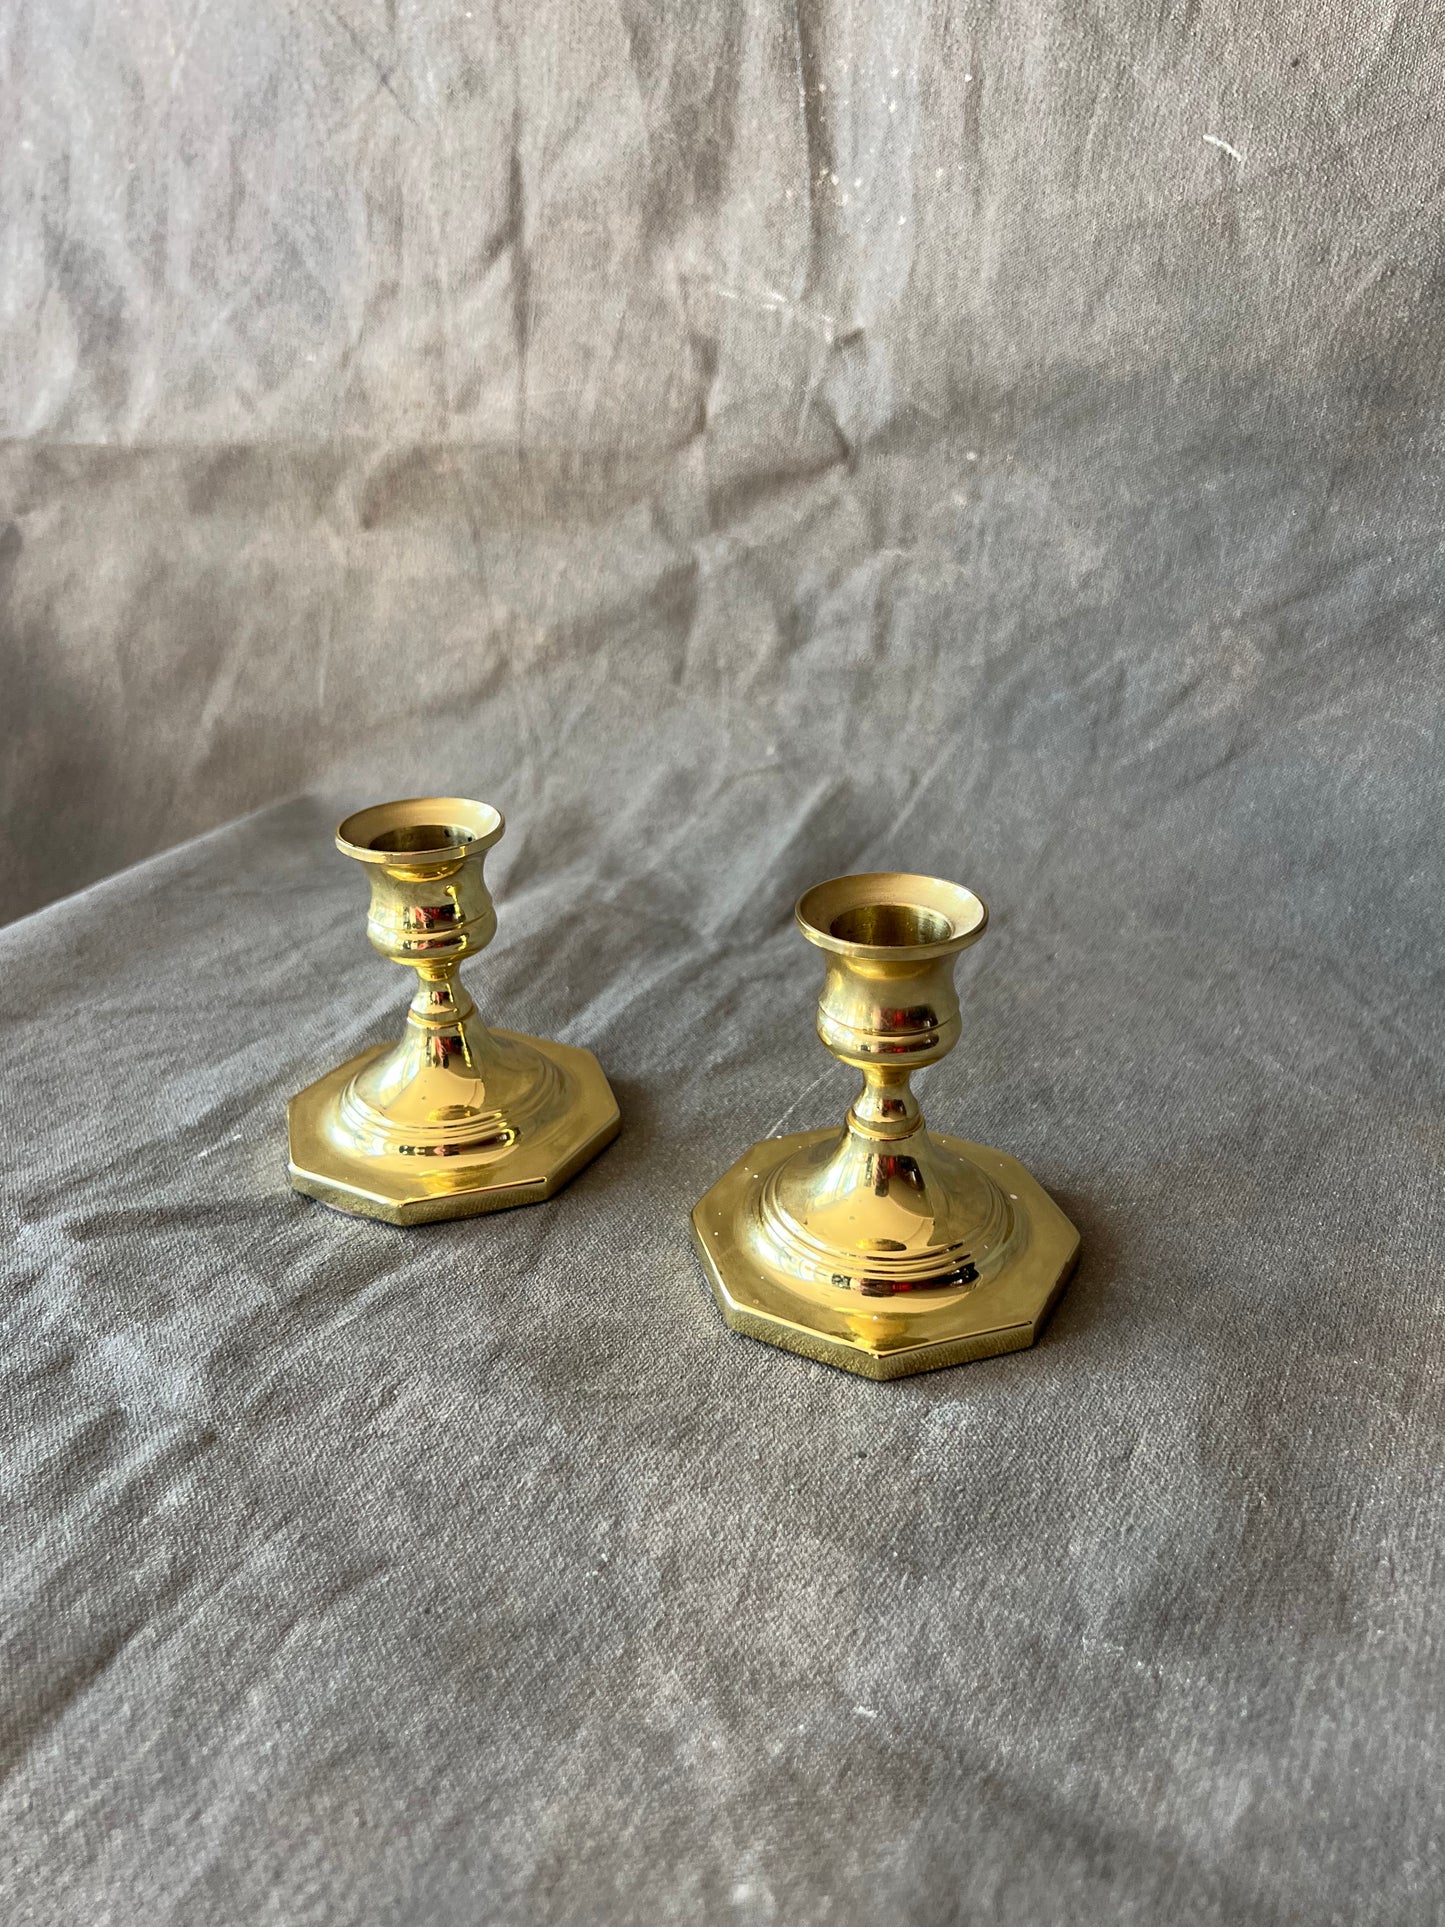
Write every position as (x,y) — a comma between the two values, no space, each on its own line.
(949,915)
(472,827)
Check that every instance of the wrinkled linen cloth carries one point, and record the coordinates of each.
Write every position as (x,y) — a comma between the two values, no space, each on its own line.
(369,369)
(745,446)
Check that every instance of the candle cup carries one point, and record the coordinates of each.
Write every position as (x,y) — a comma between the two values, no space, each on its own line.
(456,1118)
(884,1247)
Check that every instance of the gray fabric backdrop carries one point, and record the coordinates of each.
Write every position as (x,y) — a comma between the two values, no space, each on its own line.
(514,402)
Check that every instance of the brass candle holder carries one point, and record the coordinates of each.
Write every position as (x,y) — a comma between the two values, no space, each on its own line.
(885,1248)
(456,1118)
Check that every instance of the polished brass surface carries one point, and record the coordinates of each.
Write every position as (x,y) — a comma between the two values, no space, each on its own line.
(456,1118)
(884,1247)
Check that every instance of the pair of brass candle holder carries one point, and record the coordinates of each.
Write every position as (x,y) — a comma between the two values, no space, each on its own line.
(881,1247)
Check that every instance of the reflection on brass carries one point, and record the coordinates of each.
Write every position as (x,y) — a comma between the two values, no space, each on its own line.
(456,1118)
(885,1247)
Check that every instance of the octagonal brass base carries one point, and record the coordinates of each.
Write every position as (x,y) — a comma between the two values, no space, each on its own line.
(826,1311)
(416,1190)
